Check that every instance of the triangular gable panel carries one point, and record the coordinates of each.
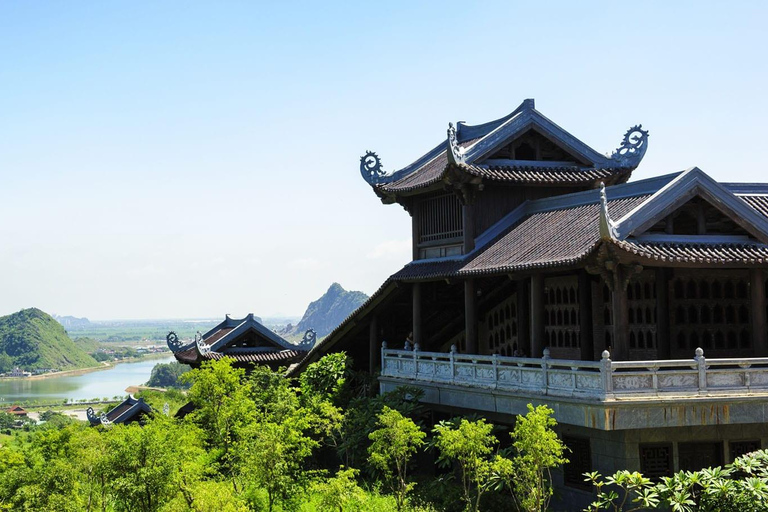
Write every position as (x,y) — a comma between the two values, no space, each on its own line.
(533,146)
(693,189)
(250,326)
(532,119)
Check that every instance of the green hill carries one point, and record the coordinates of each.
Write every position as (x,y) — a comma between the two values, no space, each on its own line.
(33,339)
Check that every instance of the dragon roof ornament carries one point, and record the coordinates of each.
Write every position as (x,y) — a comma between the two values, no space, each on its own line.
(202,347)
(309,339)
(455,152)
(371,168)
(172,339)
(91,415)
(632,148)
(607,227)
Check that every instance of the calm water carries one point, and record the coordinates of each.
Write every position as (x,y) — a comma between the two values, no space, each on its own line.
(104,383)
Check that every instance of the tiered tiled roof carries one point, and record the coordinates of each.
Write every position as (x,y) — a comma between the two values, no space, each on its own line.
(225,340)
(126,412)
(563,231)
(477,143)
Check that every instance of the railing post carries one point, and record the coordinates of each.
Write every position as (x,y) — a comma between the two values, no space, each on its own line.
(702,364)
(383,363)
(453,363)
(495,369)
(606,370)
(545,369)
(416,348)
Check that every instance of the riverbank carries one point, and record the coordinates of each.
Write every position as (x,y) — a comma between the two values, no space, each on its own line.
(104,365)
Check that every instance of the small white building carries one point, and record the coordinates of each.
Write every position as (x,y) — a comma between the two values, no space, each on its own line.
(18,372)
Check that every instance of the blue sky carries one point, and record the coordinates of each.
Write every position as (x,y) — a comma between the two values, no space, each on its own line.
(190,159)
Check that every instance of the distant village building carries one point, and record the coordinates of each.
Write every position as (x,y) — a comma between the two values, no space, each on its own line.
(17,411)
(18,372)
(637,311)
(130,411)
(246,341)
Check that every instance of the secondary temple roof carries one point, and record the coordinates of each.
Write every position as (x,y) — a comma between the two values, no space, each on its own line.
(245,340)
(127,412)
(484,152)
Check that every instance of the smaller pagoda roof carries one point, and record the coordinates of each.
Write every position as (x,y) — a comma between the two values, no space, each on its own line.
(127,412)
(17,410)
(466,154)
(227,340)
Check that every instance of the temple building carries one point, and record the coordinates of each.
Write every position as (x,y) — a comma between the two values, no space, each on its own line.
(246,341)
(130,411)
(541,274)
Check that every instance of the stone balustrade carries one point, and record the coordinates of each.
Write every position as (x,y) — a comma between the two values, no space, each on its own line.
(603,380)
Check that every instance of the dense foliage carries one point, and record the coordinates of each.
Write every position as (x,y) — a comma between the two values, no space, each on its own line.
(738,487)
(167,375)
(261,442)
(32,339)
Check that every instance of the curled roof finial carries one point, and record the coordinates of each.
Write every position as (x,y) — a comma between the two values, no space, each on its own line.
(455,152)
(371,169)
(632,148)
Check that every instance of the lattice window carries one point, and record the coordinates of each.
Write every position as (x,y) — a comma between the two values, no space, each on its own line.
(440,218)
(711,311)
(739,448)
(641,312)
(499,330)
(604,315)
(656,460)
(579,462)
(561,312)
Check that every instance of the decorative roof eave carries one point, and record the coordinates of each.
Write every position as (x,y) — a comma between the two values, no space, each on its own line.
(699,255)
(691,183)
(469,145)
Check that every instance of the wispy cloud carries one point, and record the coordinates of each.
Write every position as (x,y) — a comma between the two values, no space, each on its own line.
(304,263)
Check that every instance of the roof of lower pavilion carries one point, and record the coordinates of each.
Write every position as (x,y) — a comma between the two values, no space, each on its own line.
(245,340)
(126,412)
(477,153)
(563,231)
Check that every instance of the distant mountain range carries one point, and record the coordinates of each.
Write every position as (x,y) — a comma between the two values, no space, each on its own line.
(35,340)
(327,312)
(72,322)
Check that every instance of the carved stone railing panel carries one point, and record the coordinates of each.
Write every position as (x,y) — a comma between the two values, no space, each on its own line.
(603,380)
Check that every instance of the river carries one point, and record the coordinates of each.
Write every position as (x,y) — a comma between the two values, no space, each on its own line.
(96,384)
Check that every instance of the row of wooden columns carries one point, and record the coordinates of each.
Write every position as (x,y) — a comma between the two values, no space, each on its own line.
(531,321)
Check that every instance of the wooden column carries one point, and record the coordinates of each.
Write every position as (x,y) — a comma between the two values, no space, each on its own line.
(373,345)
(415,231)
(523,317)
(470,316)
(537,315)
(620,349)
(757,291)
(586,334)
(468,218)
(416,292)
(663,350)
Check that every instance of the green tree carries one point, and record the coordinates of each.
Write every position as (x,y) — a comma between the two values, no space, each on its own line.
(394,442)
(470,444)
(340,492)
(6,362)
(537,451)
(271,456)
(223,406)
(145,464)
